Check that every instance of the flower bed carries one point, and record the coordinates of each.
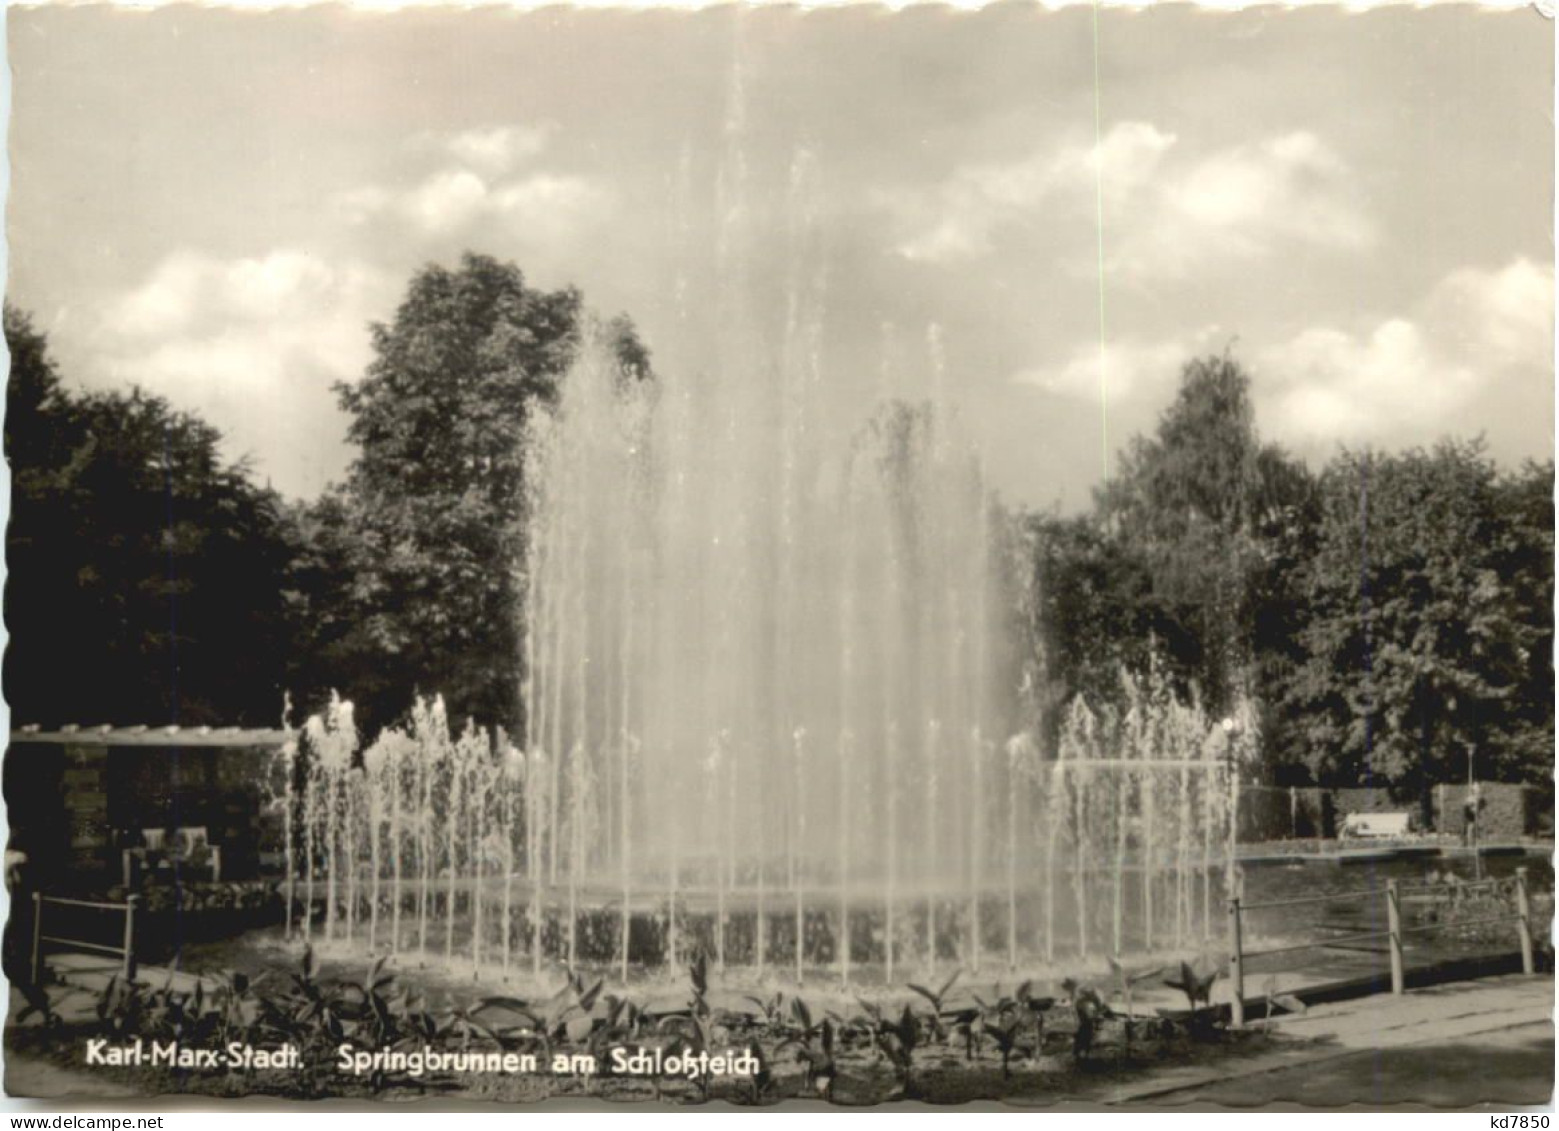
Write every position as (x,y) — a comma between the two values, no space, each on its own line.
(914,1042)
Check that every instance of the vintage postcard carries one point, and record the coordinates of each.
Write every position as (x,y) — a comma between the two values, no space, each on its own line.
(757,555)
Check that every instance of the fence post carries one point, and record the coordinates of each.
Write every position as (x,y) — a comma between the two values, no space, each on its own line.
(1524,910)
(1236,957)
(129,962)
(1394,926)
(37,938)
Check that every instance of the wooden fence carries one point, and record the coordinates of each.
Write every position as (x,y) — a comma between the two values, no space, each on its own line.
(125,951)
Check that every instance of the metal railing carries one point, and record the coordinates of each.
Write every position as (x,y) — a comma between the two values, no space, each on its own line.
(1392,893)
(125,951)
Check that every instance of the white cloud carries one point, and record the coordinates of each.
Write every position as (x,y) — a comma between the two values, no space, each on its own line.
(964,215)
(1445,368)
(1123,163)
(253,345)
(457,200)
(1126,370)
(1327,385)
(498,150)
(446,201)
(1167,214)
(1508,312)
(1474,355)
(1289,191)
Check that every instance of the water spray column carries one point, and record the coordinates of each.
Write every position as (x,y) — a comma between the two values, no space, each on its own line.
(846,754)
(1020,760)
(452,848)
(1182,858)
(720,765)
(1148,800)
(760,924)
(425,764)
(732,791)
(933,753)
(397,783)
(373,782)
(891,736)
(332,847)
(625,735)
(576,839)
(1123,781)
(798,740)
(289,757)
(1207,848)
(625,851)
(310,835)
(535,806)
(1055,806)
(977,700)
(478,828)
(976,855)
(513,780)
(351,798)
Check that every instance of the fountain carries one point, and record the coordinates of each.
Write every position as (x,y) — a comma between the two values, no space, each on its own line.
(773,707)
(762,680)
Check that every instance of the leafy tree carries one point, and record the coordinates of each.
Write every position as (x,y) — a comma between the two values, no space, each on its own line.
(435,499)
(1185,500)
(1216,517)
(1524,560)
(145,572)
(1287,518)
(1418,638)
(1097,610)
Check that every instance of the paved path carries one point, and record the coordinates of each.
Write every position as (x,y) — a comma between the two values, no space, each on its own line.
(1451,1045)
(1510,1067)
(91,973)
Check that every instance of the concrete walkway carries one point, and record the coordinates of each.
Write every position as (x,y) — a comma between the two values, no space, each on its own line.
(91,973)
(1427,1031)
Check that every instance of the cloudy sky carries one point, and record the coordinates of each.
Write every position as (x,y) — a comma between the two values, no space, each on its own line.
(215,205)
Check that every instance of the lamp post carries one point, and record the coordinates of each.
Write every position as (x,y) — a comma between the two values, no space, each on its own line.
(1231,731)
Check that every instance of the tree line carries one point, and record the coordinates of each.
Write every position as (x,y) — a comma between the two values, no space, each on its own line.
(1390,615)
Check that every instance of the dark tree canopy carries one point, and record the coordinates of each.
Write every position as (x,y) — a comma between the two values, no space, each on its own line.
(146,574)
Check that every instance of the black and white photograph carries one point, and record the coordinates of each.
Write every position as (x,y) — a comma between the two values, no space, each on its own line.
(836,558)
